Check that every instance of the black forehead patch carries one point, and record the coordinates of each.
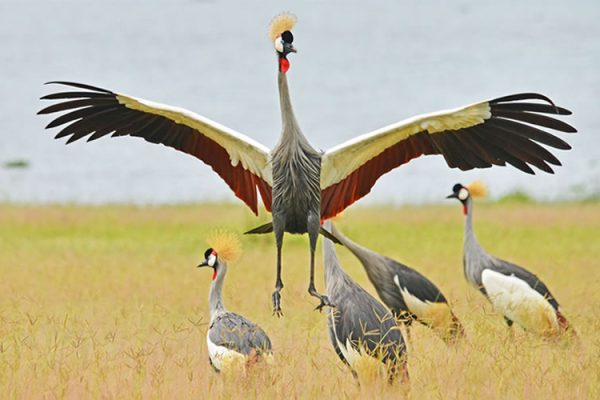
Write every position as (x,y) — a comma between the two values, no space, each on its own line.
(287,37)
(457,187)
(208,252)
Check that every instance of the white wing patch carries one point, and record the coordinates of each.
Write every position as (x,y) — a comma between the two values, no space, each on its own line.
(340,161)
(253,156)
(435,314)
(520,302)
(359,361)
(222,357)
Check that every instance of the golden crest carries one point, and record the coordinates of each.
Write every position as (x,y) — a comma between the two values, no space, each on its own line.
(281,23)
(477,189)
(226,244)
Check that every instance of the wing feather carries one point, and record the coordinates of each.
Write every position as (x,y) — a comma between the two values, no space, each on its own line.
(241,162)
(495,132)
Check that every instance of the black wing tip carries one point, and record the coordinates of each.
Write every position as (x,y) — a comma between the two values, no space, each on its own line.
(522,96)
(65,83)
(564,111)
(531,96)
(79,86)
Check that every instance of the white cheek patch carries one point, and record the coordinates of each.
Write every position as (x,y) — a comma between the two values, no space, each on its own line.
(279,44)
(463,194)
(211,260)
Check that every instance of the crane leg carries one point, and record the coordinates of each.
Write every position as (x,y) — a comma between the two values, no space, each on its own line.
(313,235)
(276,297)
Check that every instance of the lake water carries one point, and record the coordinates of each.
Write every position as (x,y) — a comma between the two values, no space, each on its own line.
(361,65)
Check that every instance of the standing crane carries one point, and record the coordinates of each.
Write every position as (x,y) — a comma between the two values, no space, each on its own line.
(515,292)
(360,327)
(407,293)
(231,339)
(302,186)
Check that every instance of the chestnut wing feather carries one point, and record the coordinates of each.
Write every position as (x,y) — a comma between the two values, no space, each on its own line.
(94,113)
(504,130)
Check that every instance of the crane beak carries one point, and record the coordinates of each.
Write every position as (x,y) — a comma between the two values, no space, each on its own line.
(203,264)
(289,48)
(452,196)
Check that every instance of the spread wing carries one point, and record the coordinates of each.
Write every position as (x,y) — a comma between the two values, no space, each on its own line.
(93,113)
(504,130)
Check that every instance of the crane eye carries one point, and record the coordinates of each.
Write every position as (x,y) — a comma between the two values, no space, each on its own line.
(287,37)
(279,44)
(463,194)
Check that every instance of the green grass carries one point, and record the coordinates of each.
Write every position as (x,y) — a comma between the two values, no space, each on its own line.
(106,302)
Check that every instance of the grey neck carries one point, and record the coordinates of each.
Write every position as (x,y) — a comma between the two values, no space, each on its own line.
(475,258)
(470,239)
(371,261)
(215,298)
(333,270)
(291,134)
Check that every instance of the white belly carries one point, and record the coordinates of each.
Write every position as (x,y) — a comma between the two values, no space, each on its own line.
(519,302)
(222,357)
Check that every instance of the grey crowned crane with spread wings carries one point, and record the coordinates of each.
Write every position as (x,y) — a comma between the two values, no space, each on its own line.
(232,340)
(515,292)
(300,185)
(406,292)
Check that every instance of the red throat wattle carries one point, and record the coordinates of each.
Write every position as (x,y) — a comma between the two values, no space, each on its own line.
(214,274)
(284,65)
(464,209)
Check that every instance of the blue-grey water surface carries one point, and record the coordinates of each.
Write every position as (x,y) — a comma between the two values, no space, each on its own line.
(361,65)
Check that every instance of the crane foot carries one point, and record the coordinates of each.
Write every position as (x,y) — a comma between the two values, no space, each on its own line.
(324,303)
(277,304)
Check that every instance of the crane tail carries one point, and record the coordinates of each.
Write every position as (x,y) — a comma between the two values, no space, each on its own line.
(330,236)
(259,230)
(564,325)
(268,228)
(456,331)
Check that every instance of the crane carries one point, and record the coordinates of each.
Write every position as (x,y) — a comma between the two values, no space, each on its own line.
(300,185)
(231,339)
(407,293)
(515,292)
(360,327)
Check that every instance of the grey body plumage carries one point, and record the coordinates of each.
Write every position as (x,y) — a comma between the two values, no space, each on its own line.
(486,272)
(476,260)
(358,322)
(296,174)
(393,280)
(296,205)
(234,332)
(229,334)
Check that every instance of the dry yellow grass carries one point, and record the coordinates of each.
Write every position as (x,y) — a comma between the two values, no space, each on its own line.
(106,302)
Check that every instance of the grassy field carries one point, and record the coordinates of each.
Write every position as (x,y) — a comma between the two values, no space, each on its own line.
(106,302)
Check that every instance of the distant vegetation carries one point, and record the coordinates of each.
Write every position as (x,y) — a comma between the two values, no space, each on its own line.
(518,197)
(576,194)
(16,164)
